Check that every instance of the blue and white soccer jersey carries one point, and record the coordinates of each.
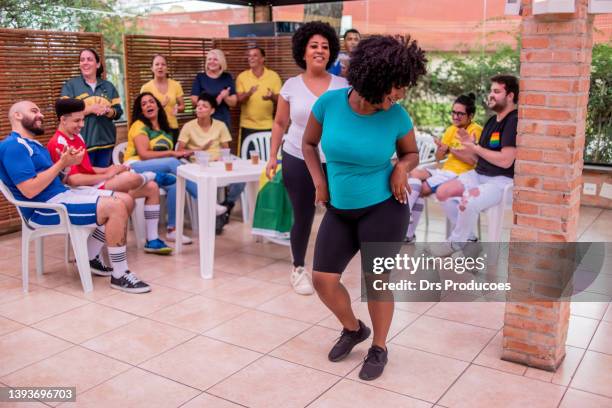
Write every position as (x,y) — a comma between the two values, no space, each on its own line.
(438,177)
(21,159)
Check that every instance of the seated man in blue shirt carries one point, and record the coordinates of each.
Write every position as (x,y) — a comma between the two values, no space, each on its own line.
(28,171)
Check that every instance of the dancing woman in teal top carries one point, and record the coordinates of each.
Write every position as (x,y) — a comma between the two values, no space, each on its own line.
(360,128)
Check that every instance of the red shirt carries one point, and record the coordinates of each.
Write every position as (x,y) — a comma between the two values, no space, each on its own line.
(59,140)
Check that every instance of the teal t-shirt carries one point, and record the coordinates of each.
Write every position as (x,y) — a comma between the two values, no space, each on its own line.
(358,149)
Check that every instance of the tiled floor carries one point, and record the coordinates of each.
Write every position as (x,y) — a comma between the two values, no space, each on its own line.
(245,339)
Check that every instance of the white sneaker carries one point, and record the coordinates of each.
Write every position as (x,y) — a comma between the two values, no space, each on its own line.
(220,209)
(171,236)
(301,281)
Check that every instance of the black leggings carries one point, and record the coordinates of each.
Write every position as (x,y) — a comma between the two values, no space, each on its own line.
(301,190)
(343,231)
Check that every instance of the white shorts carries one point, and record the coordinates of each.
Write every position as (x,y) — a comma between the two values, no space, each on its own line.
(439,177)
(471,179)
(81,204)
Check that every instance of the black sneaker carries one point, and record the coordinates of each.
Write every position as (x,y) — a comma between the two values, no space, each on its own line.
(219,224)
(98,268)
(230,206)
(373,364)
(129,283)
(348,339)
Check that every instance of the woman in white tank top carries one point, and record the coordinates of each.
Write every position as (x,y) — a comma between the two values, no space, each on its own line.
(315,48)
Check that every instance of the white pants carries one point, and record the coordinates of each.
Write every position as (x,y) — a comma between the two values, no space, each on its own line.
(480,193)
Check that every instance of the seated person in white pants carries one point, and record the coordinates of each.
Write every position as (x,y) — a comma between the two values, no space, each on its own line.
(424,182)
(28,171)
(118,178)
(483,187)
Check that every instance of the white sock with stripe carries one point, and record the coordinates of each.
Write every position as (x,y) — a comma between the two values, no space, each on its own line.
(95,242)
(151,213)
(118,258)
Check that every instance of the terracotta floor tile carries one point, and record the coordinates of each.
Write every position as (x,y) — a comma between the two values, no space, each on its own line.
(144,304)
(416,373)
(608,316)
(11,289)
(257,331)
(602,340)
(308,309)
(136,388)
(351,394)
(101,290)
(189,280)
(241,263)
(564,373)
(198,313)
(491,357)
(75,367)
(311,347)
(575,398)
(205,400)
(7,326)
(26,346)
(85,322)
(201,362)
(444,337)
(593,310)
(484,387)
(484,314)
(277,272)
(246,292)
(594,374)
(39,305)
(138,341)
(270,382)
(267,249)
(580,331)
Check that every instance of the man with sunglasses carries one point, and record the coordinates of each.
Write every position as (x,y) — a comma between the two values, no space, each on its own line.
(483,187)
(424,182)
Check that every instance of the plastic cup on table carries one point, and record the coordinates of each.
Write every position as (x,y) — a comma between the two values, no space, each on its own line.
(225,154)
(254,156)
(202,158)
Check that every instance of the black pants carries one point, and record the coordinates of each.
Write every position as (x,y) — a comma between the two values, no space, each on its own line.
(301,190)
(342,232)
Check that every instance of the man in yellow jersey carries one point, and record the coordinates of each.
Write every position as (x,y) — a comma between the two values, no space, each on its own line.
(258,89)
(424,182)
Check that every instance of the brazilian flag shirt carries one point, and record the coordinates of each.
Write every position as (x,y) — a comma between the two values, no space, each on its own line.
(159,140)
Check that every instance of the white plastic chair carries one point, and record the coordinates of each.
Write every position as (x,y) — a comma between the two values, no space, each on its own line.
(78,237)
(427,159)
(260,142)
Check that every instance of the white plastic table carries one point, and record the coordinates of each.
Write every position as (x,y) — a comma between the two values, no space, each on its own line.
(208,180)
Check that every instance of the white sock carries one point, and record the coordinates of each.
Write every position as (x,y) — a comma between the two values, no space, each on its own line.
(146,177)
(415,216)
(415,192)
(95,242)
(118,258)
(151,213)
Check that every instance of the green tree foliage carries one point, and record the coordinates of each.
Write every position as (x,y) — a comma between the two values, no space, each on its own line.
(598,144)
(69,15)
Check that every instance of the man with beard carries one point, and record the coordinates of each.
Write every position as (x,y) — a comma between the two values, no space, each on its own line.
(28,171)
(483,187)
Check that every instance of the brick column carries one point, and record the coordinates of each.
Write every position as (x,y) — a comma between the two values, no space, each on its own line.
(262,14)
(555,69)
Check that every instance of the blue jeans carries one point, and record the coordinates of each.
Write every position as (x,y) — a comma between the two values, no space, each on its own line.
(166,165)
(234,191)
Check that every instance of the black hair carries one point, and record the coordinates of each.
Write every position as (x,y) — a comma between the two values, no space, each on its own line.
(138,114)
(510,83)
(380,63)
(469,101)
(305,33)
(66,106)
(263,53)
(351,30)
(100,69)
(208,98)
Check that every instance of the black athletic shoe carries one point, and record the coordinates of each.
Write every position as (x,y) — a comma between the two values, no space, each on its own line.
(373,364)
(348,339)
(219,224)
(129,283)
(98,268)
(230,206)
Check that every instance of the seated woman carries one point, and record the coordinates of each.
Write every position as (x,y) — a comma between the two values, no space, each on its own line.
(424,182)
(209,134)
(150,148)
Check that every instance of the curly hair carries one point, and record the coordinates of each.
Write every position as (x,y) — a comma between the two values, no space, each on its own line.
(305,33)
(380,63)
(138,114)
